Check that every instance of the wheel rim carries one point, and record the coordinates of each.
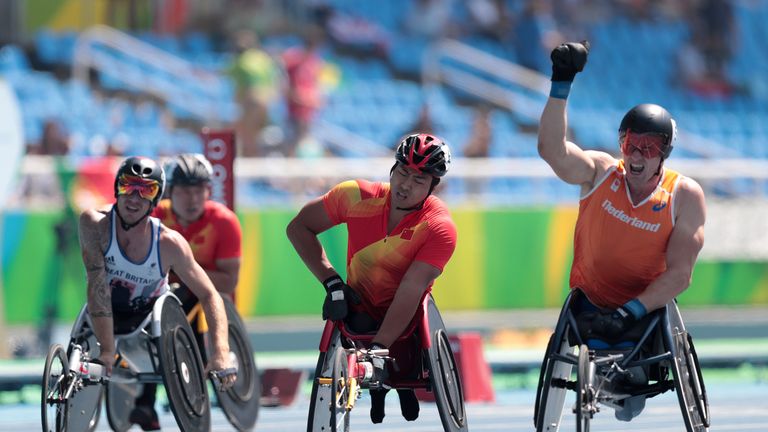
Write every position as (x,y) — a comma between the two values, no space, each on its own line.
(188,373)
(583,394)
(340,391)
(243,388)
(692,395)
(448,372)
(54,385)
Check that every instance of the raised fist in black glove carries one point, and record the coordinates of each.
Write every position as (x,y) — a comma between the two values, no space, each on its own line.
(337,293)
(568,59)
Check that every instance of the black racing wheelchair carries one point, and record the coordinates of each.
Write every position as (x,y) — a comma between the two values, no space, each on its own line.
(157,348)
(420,359)
(655,356)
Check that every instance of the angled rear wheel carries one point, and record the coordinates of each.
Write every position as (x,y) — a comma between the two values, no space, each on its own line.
(55,383)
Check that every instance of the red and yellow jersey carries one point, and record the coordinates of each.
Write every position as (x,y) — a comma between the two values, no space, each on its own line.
(377,260)
(620,248)
(216,235)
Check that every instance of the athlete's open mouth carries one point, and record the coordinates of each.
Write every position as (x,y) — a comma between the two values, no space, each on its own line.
(636,169)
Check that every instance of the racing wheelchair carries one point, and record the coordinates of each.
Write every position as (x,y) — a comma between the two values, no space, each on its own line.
(157,348)
(420,359)
(618,373)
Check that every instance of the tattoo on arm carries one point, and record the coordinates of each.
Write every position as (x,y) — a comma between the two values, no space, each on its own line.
(99,293)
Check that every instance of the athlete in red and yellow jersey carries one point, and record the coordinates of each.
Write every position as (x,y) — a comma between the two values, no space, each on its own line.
(640,226)
(400,238)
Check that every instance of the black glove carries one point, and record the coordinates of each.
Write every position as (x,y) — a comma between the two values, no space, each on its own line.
(337,293)
(568,59)
(613,324)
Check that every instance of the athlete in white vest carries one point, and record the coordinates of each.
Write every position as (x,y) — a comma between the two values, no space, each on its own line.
(127,256)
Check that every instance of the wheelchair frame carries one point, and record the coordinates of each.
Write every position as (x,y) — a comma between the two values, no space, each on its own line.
(602,374)
(342,373)
(171,357)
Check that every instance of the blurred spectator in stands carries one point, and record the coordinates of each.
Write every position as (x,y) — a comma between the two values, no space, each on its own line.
(303,93)
(702,61)
(536,35)
(256,80)
(480,135)
(478,145)
(55,140)
(428,18)
(423,124)
(353,33)
(490,18)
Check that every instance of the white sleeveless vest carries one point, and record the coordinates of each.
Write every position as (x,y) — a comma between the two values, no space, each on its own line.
(134,285)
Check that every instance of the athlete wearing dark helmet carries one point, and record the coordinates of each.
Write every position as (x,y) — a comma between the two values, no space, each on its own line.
(640,225)
(127,266)
(144,176)
(214,235)
(400,239)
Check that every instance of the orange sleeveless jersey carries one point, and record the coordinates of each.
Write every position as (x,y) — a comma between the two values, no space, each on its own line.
(377,260)
(619,248)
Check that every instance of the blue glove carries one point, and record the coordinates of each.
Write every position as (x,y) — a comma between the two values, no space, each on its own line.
(335,305)
(617,322)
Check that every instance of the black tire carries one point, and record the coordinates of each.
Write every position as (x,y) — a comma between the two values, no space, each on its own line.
(584,392)
(182,370)
(120,399)
(689,384)
(444,375)
(241,402)
(54,385)
(340,389)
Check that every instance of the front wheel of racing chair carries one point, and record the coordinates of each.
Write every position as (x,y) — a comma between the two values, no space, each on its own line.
(74,397)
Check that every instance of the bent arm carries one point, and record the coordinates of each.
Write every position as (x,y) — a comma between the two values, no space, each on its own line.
(569,162)
(99,298)
(685,242)
(226,276)
(303,230)
(407,299)
(183,263)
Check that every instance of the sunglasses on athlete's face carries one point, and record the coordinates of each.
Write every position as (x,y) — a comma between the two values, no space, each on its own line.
(649,145)
(147,188)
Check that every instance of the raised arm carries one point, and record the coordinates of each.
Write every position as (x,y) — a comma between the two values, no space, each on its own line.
(176,252)
(685,242)
(99,293)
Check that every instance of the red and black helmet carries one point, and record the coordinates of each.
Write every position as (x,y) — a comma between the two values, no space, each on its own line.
(650,119)
(424,152)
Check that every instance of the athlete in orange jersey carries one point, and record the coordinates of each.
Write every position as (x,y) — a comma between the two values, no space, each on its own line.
(640,226)
(400,238)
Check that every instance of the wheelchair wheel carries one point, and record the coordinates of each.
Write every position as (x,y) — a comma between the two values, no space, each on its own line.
(319,416)
(689,384)
(551,392)
(444,374)
(119,401)
(584,395)
(340,391)
(55,383)
(182,370)
(241,402)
